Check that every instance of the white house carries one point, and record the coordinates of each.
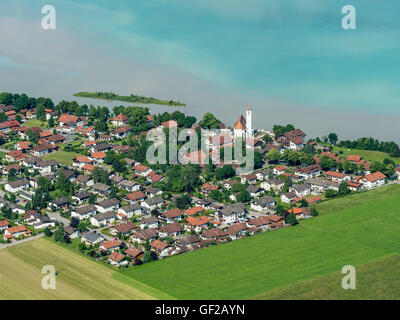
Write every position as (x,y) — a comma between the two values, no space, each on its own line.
(373,180)
(17,185)
(84,212)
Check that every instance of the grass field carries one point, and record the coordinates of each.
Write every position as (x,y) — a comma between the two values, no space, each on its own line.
(36,123)
(367,229)
(77,276)
(376,280)
(358,199)
(62,157)
(366,154)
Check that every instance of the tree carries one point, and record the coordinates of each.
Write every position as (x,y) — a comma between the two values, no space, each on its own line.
(243,196)
(314,212)
(51,122)
(40,112)
(183,202)
(273,155)
(190,177)
(291,219)
(225,172)
(59,235)
(330,193)
(258,160)
(303,203)
(74,222)
(118,165)
(343,188)
(81,227)
(333,138)
(47,232)
(209,121)
(279,210)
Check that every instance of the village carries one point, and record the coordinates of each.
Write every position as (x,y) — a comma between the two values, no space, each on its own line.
(81,178)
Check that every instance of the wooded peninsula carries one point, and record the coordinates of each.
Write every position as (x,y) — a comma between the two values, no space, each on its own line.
(131,98)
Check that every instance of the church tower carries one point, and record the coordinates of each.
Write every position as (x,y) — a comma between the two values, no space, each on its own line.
(249,130)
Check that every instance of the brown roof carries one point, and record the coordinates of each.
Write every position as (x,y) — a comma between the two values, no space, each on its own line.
(240,124)
(136,195)
(335,174)
(159,245)
(194,210)
(174,213)
(111,244)
(260,221)
(133,252)
(125,227)
(194,221)
(213,233)
(116,256)
(171,228)
(372,177)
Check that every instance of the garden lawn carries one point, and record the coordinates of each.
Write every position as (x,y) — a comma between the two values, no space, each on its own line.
(62,157)
(36,123)
(362,232)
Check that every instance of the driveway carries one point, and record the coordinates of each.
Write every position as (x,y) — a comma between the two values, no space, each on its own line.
(56,216)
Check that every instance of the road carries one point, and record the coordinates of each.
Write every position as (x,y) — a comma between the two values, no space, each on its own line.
(14,242)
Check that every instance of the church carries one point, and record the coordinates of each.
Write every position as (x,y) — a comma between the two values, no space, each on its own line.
(242,127)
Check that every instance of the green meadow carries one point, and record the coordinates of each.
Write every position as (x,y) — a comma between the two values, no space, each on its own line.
(361,230)
(375,280)
(369,155)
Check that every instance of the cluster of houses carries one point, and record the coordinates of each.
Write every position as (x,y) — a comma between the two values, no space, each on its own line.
(142,217)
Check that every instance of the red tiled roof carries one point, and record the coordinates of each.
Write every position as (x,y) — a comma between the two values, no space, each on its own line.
(372,177)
